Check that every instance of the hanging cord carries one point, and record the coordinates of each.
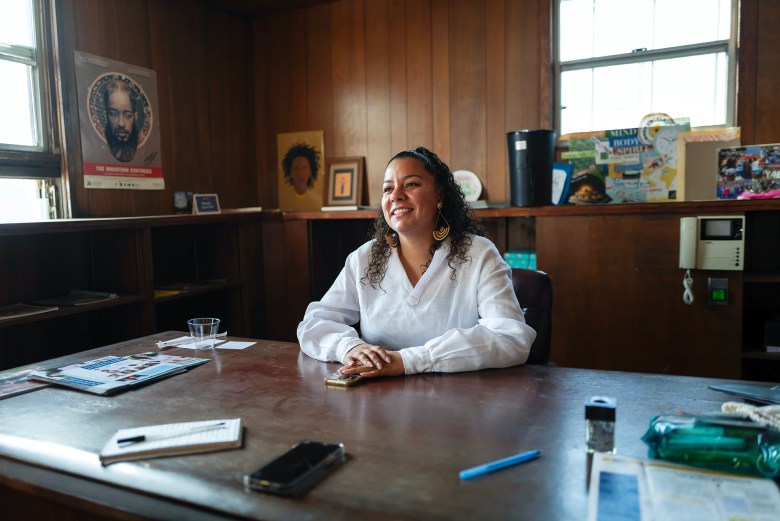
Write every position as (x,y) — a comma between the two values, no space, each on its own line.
(688,285)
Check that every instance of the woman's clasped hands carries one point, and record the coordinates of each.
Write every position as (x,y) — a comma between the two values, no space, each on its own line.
(369,360)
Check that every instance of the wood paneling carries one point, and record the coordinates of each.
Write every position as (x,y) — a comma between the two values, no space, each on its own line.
(767,78)
(616,278)
(203,60)
(378,109)
(451,76)
(758,102)
(376,76)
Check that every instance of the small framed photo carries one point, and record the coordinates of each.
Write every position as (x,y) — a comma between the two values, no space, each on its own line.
(345,181)
(205,203)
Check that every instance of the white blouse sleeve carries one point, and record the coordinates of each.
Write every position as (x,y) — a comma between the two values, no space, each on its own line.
(326,331)
(501,338)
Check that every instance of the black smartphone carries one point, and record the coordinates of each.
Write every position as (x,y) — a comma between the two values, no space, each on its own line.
(296,470)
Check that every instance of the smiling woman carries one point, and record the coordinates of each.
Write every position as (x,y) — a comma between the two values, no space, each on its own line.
(430,294)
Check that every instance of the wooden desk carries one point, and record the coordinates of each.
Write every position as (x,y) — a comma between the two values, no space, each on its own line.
(406,440)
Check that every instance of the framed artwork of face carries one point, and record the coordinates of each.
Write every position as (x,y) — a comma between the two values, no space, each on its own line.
(300,160)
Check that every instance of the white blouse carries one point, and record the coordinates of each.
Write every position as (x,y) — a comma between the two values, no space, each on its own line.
(441,325)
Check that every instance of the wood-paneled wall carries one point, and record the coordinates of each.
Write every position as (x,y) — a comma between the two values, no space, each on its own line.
(377,76)
(380,76)
(202,57)
(758,95)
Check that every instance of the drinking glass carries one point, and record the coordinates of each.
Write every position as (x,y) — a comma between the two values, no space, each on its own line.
(203,331)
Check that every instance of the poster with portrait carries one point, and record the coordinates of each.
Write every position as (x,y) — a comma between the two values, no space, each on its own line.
(301,159)
(120,134)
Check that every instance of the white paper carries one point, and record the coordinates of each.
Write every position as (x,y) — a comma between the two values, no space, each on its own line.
(203,344)
(235,345)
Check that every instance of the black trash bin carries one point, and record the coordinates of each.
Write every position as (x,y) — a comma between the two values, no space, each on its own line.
(531,156)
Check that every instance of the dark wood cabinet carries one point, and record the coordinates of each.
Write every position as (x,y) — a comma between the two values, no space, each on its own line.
(614,270)
(164,270)
(615,276)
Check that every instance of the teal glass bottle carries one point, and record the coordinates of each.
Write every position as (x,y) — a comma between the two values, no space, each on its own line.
(717,442)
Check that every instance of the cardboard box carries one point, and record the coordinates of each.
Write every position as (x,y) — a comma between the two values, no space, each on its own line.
(697,161)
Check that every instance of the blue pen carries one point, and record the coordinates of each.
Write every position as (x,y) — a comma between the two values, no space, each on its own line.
(499,464)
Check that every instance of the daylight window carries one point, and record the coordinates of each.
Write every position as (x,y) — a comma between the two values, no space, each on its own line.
(618,60)
(20,124)
(29,165)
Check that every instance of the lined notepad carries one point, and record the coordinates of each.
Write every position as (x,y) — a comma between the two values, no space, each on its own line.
(172,439)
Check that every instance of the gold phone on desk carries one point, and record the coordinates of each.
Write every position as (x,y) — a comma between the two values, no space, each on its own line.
(343,380)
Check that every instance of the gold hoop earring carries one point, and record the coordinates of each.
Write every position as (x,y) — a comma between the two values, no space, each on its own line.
(441,232)
(392,238)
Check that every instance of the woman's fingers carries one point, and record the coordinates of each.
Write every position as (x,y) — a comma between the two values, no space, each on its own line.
(369,355)
(394,368)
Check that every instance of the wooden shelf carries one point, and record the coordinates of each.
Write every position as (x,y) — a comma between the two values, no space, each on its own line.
(194,292)
(130,257)
(65,311)
(768,278)
(761,355)
(682,208)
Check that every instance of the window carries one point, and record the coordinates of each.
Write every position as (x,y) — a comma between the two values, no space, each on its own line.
(29,164)
(618,60)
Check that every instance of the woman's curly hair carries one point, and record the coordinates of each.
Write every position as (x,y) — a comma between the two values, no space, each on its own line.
(454,209)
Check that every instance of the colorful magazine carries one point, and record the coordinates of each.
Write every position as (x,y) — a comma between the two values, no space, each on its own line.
(113,374)
(18,383)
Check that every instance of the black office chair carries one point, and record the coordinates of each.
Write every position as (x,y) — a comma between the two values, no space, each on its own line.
(534,292)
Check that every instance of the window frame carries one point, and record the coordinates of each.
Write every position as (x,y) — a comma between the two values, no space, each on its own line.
(730,47)
(45,161)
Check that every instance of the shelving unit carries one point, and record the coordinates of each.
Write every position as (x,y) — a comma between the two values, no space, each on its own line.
(130,257)
(205,260)
(761,294)
(618,291)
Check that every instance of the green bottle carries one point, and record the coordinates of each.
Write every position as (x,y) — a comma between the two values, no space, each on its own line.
(718,442)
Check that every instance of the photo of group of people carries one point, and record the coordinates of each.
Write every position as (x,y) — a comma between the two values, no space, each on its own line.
(754,169)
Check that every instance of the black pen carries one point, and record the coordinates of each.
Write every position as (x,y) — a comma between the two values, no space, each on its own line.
(162,436)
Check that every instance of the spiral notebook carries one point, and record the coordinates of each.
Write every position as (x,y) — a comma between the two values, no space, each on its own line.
(172,439)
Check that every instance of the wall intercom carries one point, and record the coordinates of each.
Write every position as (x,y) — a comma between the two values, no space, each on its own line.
(712,243)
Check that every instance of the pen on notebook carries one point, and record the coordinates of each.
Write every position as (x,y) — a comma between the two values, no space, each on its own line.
(163,436)
(499,464)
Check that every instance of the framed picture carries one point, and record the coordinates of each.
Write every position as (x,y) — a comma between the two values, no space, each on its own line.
(301,170)
(345,180)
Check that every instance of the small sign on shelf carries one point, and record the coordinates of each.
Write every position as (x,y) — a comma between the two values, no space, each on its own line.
(205,203)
